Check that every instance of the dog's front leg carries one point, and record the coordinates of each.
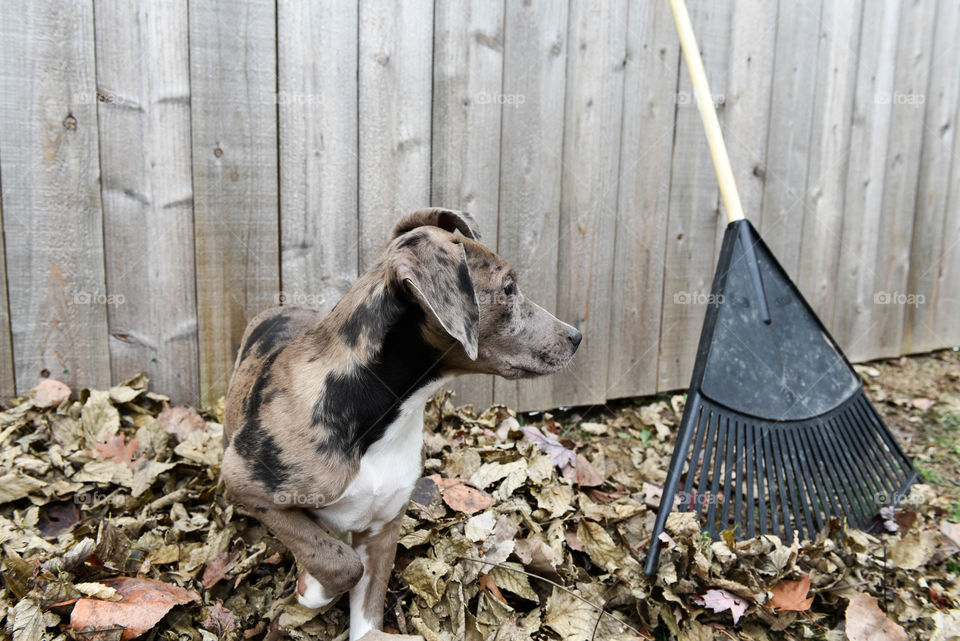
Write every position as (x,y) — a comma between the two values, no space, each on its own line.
(377,550)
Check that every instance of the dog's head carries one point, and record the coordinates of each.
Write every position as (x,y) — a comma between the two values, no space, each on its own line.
(475,313)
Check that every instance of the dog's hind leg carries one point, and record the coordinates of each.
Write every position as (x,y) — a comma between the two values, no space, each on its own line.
(332,566)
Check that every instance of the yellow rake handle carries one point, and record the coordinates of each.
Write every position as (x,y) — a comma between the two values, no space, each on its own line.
(718,151)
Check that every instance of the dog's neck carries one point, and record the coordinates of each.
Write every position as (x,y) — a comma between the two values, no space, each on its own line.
(383,359)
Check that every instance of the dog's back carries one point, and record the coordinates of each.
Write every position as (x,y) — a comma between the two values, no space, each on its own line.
(268,332)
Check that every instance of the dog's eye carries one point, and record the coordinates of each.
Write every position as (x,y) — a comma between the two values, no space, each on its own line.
(510,289)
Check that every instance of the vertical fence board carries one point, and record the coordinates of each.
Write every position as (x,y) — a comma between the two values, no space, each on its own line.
(51,197)
(143,80)
(650,80)
(828,156)
(788,127)
(234,118)
(467,79)
(946,326)
(7,379)
(934,186)
(746,103)
(695,217)
(891,300)
(869,136)
(588,202)
(318,150)
(535,51)
(396,49)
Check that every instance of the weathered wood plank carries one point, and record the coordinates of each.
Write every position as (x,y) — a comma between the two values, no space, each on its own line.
(535,52)
(8,385)
(828,156)
(650,80)
(946,327)
(467,77)
(318,150)
(51,195)
(869,139)
(695,216)
(588,202)
(143,82)
(396,45)
(891,298)
(789,126)
(926,279)
(234,120)
(746,103)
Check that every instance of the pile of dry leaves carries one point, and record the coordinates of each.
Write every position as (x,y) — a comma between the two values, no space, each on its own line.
(113,525)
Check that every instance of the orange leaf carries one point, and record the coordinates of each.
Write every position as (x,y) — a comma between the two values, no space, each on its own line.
(144,602)
(791,595)
(114,448)
(461,495)
(486,581)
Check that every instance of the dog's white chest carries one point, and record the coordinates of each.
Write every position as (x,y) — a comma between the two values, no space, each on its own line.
(388,472)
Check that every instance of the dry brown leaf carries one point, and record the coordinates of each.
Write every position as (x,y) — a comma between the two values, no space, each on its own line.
(461,496)
(218,568)
(180,420)
(144,602)
(865,621)
(487,583)
(220,619)
(583,473)
(791,595)
(50,393)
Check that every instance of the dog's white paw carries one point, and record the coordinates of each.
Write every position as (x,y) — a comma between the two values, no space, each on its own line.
(310,592)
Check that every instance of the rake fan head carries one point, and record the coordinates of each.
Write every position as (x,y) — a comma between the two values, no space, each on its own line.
(777,435)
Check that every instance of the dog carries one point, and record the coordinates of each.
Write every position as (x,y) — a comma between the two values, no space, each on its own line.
(323,430)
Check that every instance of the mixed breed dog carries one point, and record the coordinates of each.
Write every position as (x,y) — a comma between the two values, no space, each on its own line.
(324,420)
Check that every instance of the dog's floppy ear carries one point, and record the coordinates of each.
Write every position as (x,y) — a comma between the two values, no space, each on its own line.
(447,219)
(434,270)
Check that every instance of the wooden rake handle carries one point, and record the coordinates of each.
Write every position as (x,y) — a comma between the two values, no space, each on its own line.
(718,151)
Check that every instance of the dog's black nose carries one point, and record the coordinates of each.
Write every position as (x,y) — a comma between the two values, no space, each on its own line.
(574,336)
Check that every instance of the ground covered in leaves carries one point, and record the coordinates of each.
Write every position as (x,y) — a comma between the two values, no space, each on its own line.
(113,525)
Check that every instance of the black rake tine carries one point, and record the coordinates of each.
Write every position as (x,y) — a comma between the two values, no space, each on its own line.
(850,466)
(888,455)
(875,457)
(828,505)
(695,456)
(808,496)
(738,516)
(749,455)
(771,488)
(868,472)
(708,446)
(845,495)
(719,452)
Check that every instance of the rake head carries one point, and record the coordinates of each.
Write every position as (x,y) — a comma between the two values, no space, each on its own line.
(777,435)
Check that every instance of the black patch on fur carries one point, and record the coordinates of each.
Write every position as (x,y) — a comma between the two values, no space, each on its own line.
(372,317)
(256,444)
(356,408)
(267,335)
(463,279)
(412,240)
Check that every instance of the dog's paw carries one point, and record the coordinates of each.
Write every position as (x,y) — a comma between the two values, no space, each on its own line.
(310,592)
(377,635)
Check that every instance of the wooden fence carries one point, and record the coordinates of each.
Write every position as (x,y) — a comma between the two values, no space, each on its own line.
(168,169)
